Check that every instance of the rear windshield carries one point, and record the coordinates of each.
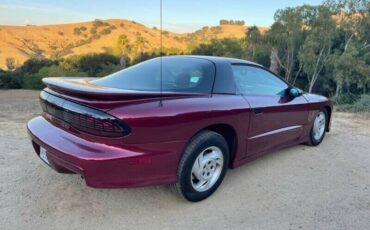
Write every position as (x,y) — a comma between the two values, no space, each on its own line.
(179,74)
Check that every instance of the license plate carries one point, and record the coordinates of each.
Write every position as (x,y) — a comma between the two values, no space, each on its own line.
(44,155)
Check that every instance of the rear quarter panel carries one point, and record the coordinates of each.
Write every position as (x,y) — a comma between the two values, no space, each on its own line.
(179,119)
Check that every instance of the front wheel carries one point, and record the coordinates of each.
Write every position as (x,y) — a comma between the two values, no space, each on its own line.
(318,129)
(203,166)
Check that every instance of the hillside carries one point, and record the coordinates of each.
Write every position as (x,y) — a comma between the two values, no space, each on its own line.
(56,41)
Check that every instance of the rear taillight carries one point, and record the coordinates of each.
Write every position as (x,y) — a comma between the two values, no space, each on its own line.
(83,118)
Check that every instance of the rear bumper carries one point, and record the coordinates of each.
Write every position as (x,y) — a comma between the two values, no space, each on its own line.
(103,165)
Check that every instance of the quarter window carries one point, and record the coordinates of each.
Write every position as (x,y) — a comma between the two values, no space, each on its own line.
(256,81)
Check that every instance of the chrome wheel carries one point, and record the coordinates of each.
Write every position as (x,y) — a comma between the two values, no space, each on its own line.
(319,126)
(207,168)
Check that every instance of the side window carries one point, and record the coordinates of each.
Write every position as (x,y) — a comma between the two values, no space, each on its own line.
(255,81)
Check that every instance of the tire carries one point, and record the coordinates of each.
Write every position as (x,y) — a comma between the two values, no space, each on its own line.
(316,133)
(206,157)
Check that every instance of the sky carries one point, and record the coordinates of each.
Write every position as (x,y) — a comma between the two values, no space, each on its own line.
(178,16)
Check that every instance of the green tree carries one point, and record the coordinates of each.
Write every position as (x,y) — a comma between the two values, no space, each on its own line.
(253,38)
(227,47)
(318,45)
(92,64)
(349,60)
(33,65)
(286,37)
(10,63)
(123,46)
(351,68)
(139,45)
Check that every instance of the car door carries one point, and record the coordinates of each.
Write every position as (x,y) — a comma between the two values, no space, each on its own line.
(276,118)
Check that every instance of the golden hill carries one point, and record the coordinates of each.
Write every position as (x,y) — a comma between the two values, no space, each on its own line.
(52,41)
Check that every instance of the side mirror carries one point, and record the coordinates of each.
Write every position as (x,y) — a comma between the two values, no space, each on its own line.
(294,92)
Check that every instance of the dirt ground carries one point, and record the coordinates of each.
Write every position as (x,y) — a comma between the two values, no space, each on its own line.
(325,187)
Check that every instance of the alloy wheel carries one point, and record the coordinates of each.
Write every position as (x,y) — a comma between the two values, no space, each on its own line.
(319,126)
(207,169)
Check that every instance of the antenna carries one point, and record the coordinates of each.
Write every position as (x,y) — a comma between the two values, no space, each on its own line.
(161,51)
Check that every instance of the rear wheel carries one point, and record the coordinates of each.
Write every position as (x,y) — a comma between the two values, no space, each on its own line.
(202,166)
(318,129)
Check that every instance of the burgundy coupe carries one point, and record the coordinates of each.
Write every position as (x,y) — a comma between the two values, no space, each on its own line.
(180,120)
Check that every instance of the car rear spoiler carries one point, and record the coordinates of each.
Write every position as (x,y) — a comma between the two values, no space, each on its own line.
(83,88)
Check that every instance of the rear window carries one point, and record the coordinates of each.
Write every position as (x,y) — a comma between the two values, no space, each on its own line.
(179,74)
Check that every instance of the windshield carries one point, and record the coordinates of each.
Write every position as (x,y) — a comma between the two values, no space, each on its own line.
(180,74)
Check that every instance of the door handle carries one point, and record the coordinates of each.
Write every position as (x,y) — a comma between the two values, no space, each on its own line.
(257,110)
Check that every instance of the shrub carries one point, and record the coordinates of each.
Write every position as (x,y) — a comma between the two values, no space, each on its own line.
(10,80)
(30,75)
(95,36)
(107,69)
(92,64)
(93,30)
(57,54)
(33,82)
(345,99)
(228,47)
(76,31)
(361,105)
(32,65)
(105,31)
(69,46)
(98,23)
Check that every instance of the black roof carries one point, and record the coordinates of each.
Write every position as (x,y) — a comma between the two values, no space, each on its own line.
(217,59)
